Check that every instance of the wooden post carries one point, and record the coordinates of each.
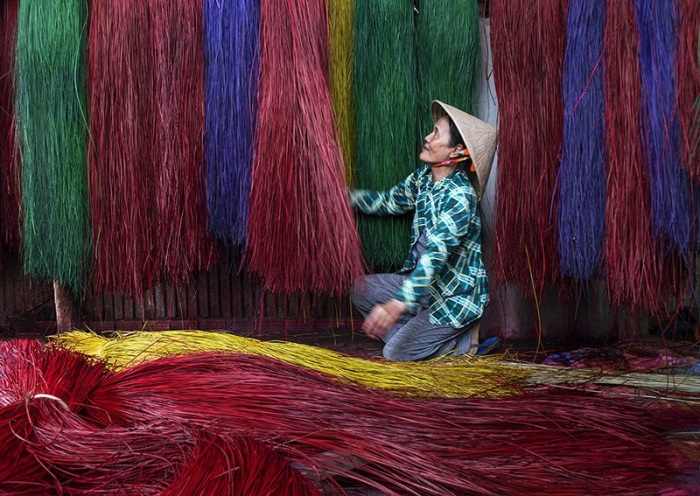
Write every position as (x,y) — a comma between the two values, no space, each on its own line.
(67,310)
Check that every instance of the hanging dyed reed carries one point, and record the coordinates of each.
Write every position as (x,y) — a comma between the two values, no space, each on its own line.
(528,59)
(582,168)
(456,378)
(634,262)
(671,202)
(51,130)
(230,53)
(551,443)
(147,119)
(341,18)
(448,44)
(385,121)
(689,85)
(301,233)
(9,170)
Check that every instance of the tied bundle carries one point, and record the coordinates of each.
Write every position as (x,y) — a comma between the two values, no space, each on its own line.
(9,172)
(550,442)
(146,86)
(301,233)
(341,19)
(51,134)
(638,272)
(528,59)
(582,168)
(230,53)
(385,121)
(671,195)
(448,45)
(475,378)
(689,85)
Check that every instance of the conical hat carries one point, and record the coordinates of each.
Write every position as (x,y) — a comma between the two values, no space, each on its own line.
(479,137)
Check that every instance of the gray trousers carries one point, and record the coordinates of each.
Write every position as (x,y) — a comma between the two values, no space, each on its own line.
(413,337)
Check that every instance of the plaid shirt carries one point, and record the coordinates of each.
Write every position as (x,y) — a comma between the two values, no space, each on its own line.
(451,271)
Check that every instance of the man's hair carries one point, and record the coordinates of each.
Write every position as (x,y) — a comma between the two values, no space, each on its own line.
(455,137)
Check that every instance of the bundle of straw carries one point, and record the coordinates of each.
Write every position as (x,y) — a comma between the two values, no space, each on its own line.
(147,119)
(448,44)
(582,168)
(341,19)
(689,85)
(9,178)
(51,130)
(474,378)
(671,196)
(301,233)
(637,271)
(230,53)
(385,122)
(528,58)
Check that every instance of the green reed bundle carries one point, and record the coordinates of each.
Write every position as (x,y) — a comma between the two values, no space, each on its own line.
(51,134)
(385,122)
(449,56)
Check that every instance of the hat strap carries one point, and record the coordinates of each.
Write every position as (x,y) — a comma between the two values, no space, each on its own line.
(464,155)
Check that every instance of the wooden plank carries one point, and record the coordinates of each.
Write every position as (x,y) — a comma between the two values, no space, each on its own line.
(214,294)
(149,306)
(225,297)
(170,302)
(202,296)
(159,302)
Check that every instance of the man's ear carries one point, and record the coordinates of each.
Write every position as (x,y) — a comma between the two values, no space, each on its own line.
(456,151)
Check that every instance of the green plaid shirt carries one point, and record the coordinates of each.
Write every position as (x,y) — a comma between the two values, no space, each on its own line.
(451,271)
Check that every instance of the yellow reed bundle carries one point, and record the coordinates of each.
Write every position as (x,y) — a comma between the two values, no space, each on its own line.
(341,15)
(456,378)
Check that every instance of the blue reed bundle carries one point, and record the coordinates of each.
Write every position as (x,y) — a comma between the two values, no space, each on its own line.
(582,168)
(671,202)
(51,132)
(230,52)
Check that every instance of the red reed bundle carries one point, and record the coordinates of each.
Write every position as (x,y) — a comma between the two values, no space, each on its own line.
(689,85)
(528,59)
(301,233)
(9,172)
(146,93)
(634,262)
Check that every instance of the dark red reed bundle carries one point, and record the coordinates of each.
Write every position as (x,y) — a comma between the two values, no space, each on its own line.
(51,446)
(301,233)
(633,260)
(689,85)
(528,59)
(9,170)
(146,93)
(558,443)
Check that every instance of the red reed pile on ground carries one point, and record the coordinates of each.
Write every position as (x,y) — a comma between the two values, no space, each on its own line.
(528,55)
(548,443)
(301,233)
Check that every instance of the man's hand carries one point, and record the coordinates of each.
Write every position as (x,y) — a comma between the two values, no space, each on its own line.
(382,317)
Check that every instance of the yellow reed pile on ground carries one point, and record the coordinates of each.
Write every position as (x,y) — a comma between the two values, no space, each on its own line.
(461,377)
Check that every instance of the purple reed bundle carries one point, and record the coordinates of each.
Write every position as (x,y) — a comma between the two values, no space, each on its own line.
(231,56)
(638,271)
(582,168)
(671,197)
(9,170)
(528,59)
(301,232)
(689,85)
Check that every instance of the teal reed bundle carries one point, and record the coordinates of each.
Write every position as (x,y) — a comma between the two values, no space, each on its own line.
(448,44)
(671,201)
(9,178)
(582,168)
(385,122)
(341,15)
(230,56)
(51,130)
(528,53)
